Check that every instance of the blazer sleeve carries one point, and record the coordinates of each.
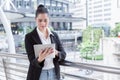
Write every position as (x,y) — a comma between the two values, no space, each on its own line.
(30,52)
(61,51)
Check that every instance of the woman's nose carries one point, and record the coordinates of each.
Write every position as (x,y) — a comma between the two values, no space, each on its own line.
(43,23)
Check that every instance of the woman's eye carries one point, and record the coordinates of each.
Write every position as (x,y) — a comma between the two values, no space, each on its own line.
(45,20)
(40,20)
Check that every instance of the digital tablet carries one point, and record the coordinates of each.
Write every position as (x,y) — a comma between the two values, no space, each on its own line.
(39,47)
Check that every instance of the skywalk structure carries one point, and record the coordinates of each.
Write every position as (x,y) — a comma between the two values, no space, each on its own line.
(21,14)
(61,18)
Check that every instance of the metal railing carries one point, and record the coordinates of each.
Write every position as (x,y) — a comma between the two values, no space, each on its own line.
(68,35)
(14,70)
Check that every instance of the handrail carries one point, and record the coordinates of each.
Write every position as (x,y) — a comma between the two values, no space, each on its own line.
(20,56)
(94,67)
(88,66)
(79,77)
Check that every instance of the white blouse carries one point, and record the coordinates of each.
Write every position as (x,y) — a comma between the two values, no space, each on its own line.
(48,64)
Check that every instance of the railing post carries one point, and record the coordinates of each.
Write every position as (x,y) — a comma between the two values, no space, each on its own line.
(3,61)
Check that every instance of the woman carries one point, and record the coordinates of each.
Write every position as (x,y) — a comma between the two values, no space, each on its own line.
(42,68)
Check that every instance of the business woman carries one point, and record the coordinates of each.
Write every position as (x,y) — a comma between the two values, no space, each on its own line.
(42,68)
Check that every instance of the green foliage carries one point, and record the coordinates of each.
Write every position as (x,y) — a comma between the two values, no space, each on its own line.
(90,44)
(20,29)
(88,47)
(114,32)
(96,32)
(87,34)
(51,28)
(29,29)
(96,57)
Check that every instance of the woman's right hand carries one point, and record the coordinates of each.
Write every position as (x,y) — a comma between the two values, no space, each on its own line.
(44,53)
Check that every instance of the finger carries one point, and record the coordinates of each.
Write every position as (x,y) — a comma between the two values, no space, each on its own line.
(51,50)
(41,51)
(46,51)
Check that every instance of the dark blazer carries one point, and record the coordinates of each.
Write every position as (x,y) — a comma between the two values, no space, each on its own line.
(35,67)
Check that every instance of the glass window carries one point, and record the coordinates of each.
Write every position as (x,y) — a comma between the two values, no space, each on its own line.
(98,15)
(59,7)
(98,6)
(108,9)
(97,19)
(107,19)
(108,4)
(19,4)
(97,2)
(96,11)
(65,7)
(53,6)
(107,14)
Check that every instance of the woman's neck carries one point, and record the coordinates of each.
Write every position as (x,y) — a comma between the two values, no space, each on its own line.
(45,32)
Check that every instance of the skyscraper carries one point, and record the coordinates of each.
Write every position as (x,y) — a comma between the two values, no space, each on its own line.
(99,12)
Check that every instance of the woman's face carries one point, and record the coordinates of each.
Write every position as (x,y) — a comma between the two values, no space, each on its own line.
(42,21)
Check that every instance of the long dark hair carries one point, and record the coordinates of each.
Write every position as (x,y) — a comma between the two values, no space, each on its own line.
(41,9)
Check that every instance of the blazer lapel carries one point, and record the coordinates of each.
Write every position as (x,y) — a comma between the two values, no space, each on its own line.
(53,40)
(36,37)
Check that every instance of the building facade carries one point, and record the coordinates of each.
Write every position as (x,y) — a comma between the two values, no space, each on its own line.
(56,8)
(100,13)
(79,10)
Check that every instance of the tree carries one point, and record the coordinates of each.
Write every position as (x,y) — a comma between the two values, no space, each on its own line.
(91,38)
(114,32)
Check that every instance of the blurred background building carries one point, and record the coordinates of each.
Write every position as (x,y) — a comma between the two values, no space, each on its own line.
(61,19)
(98,13)
(94,56)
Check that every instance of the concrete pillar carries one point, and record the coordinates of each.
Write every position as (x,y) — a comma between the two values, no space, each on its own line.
(30,3)
(61,25)
(44,2)
(70,25)
(62,7)
(23,6)
(56,6)
(66,25)
(67,8)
